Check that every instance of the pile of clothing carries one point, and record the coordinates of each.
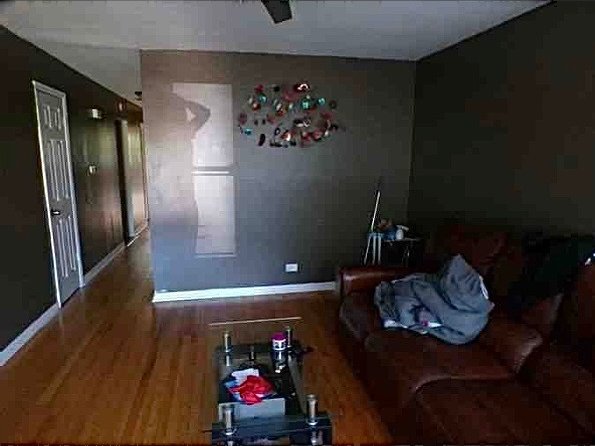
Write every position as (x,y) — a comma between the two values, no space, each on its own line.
(247,386)
(452,305)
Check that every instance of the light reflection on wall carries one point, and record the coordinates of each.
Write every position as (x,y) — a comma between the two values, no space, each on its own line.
(209,110)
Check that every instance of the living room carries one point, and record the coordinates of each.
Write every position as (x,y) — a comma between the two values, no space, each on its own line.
(260,146)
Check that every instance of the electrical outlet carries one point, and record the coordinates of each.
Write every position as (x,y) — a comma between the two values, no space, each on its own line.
(291,267)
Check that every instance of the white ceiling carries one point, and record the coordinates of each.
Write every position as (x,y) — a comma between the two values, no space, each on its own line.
(118,69)
(406,30)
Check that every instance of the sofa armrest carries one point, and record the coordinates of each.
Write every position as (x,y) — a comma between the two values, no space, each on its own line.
(512,342)
(404,361)
(365,278)
(564,383)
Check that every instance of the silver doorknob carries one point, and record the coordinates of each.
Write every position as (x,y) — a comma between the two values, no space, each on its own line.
(55,212)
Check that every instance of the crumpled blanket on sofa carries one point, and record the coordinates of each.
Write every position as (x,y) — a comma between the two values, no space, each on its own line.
(452,304)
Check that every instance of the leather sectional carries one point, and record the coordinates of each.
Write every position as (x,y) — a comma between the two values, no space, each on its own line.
(523,380)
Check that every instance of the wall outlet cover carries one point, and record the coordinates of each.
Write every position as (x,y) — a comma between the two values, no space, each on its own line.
(291,267)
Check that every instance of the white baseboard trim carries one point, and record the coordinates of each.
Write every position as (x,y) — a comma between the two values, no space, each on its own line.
(27,334)
(103,263)
(141,229)
(214,293)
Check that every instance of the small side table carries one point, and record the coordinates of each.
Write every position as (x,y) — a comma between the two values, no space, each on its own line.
(407,243)
(376,239)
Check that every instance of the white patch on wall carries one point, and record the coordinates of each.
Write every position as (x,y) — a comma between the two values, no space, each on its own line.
(213,142)
(216,223)
(209,113)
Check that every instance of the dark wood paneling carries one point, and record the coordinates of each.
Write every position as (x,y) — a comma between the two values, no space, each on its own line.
(25,277)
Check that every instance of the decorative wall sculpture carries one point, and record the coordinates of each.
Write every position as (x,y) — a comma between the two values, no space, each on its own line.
(288,116)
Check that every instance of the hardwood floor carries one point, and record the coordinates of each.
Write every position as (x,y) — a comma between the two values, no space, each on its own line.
(115,368)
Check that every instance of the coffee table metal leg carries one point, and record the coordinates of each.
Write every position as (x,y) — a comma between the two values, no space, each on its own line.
(289,336)
(228,426)
(316,437)
(226,341)
(312,403)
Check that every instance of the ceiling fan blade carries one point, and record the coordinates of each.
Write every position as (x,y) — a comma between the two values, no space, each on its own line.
(279,10)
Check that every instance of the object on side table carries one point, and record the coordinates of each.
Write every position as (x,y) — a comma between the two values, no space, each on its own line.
(392,235)
(390,230)
(385,231)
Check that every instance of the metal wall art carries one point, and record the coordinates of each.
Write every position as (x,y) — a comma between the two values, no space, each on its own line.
(288,116)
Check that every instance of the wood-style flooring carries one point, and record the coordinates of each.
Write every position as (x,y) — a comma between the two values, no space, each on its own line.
(115,368)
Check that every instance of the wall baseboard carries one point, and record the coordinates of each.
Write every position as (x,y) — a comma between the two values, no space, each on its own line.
(88,277)
(142,229)
(214,293)
(27,334)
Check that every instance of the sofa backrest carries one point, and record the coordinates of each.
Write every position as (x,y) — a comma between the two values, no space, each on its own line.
(507,269)
(500,258)
(479,246)
(575,327)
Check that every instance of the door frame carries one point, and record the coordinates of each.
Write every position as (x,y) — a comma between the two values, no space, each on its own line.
(39,87)
(123,147)
(143,149)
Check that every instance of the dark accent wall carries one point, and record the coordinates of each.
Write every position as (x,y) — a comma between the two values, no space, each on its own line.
(25,271)
(505,125)
(309,206)
(136,174)
(131,161)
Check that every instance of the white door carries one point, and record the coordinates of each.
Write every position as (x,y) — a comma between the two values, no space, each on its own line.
(52,125)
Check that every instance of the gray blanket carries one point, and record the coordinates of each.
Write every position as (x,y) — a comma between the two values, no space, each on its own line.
(452,305)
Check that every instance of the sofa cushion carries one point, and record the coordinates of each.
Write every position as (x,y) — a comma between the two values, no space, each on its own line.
(564,383)
(484,250)
(404,361)
(542,315)
(359,315)
(507,269)
(492,413)
(479,246)
(577,312)
(512,342)
(575,328)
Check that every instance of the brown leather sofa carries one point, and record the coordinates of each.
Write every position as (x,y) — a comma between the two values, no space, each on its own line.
(520,381)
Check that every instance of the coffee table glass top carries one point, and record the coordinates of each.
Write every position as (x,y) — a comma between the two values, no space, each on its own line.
(249,345)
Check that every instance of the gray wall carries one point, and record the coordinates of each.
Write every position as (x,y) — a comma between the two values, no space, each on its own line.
(505,125)
(25,278)
(309,206)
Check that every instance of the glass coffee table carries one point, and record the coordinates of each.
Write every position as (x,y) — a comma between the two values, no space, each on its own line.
(289,415)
